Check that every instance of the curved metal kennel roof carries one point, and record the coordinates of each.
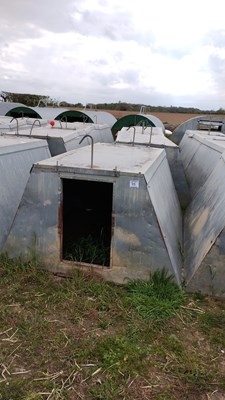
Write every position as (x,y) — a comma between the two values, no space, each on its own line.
(204,122)
(137,119)
(97,117)
(17,110)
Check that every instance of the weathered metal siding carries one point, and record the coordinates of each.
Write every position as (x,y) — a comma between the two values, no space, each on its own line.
(204,221)
(35,228)
(138,246)
(209,277)
(178,174)
(199,155)
(154,137)
(167,208)
(16,159)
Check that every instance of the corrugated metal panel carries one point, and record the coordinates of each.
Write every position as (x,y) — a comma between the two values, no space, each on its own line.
(16,159)
(154,137)
(138,245)
(161,186)
(35,228)
(204,219)
(199,153)
(178,174)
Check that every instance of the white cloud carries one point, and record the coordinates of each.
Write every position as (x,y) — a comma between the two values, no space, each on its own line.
(108,50)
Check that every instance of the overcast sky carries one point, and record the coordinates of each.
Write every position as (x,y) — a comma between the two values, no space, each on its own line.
(162,52)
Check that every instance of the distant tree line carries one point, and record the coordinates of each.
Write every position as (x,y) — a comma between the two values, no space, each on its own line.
(148,108)
(33,100)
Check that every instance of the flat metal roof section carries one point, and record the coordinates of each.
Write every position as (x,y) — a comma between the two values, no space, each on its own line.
(200,151)
(11,124)
(204,235)
(17,110)
(61,140)
(149,136)
(97,117)
(5,120)
(146,231)
(204,122)
(17,156)
(154,137)
(107,157)
(136,120)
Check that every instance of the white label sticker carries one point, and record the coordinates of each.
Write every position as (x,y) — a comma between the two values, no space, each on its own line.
(134,184)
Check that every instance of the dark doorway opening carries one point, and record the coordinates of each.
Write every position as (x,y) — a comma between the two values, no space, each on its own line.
(87,221)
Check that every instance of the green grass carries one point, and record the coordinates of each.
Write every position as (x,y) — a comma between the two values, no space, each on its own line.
(83,338)
(89,249)
(156,299)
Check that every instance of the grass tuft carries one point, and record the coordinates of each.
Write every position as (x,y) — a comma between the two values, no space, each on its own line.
(89,250)
(156,299)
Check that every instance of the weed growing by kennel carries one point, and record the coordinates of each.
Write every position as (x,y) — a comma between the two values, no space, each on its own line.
(119,196)
(205,122)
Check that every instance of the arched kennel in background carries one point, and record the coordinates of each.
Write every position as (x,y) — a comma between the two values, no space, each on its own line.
(17,110)
(143,120)
(204,123)
(70,115)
